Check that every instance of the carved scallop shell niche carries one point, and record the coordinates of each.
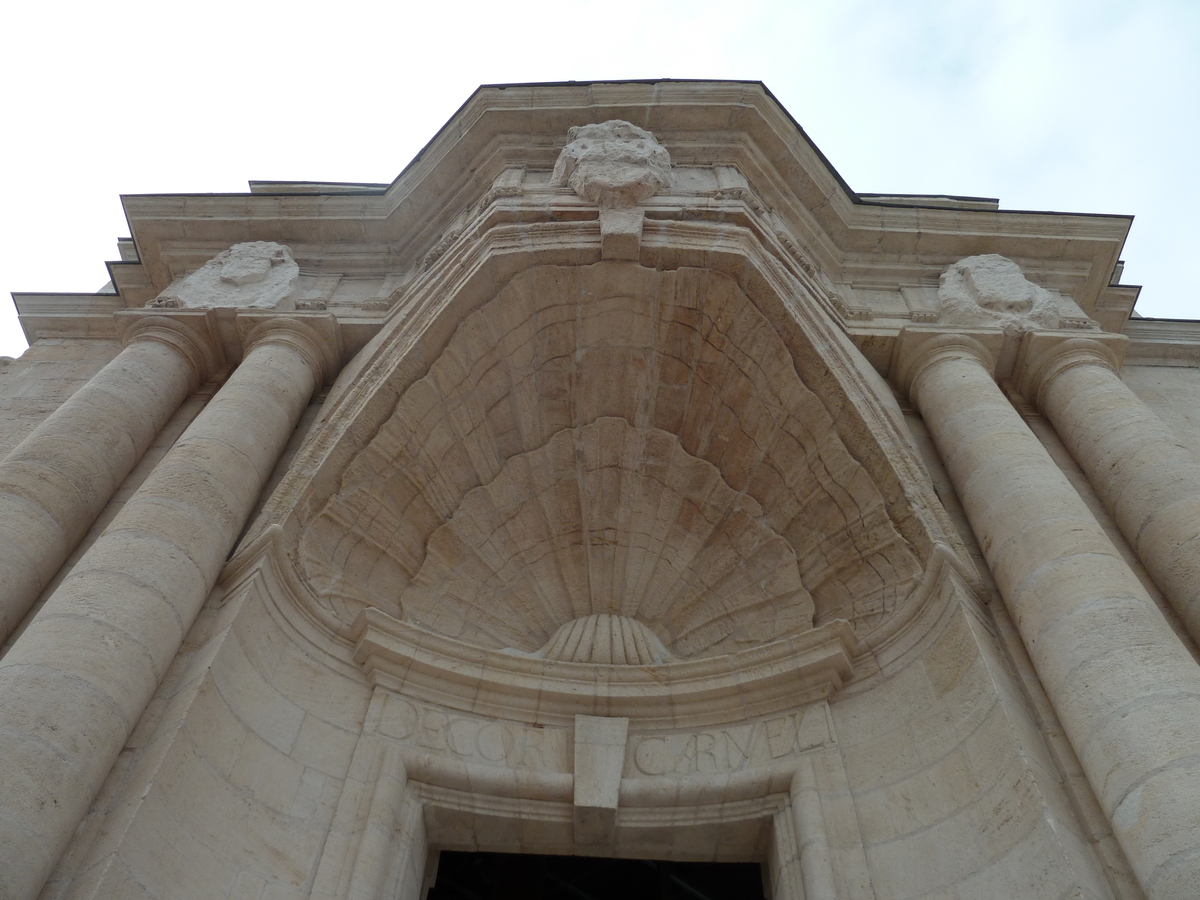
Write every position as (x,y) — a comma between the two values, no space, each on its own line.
(608,519)
(609,467)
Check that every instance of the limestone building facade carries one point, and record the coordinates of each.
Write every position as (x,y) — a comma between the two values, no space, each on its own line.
(615,482)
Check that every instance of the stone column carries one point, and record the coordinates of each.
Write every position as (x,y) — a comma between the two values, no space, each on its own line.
(56,481)
(1125,689)
(1147,479)
(75,683)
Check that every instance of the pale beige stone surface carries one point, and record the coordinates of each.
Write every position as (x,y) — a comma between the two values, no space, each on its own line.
(135,593)
(42,378)
(1173,392)
(254,275)
(611,537)
(599,758)
(476,444)
(1128,694)
(59,478)
(1148,479)
(991,290)
(613,164)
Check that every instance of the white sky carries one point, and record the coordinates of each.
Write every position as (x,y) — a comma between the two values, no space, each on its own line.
(1075,105)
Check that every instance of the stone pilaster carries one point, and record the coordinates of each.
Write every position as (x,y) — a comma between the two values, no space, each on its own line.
(56,481)
(1147,479)
(75,683)
(1126,691)
(812,845)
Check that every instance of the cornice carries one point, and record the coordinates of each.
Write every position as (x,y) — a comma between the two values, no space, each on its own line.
(63,315)
(703,124)
(780,675)
(1162,342)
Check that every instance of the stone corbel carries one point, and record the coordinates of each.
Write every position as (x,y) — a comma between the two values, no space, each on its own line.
(621,233)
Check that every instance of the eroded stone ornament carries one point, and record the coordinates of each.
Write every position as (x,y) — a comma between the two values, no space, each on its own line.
(992,290)
(613,164)
(254,275)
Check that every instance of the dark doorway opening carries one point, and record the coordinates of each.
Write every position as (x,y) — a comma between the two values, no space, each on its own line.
(509,876)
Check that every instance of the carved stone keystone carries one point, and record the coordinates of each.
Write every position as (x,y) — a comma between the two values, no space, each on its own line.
(615,165)
(599,758)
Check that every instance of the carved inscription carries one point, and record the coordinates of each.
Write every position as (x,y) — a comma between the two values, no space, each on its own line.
(730,749)
(473,739)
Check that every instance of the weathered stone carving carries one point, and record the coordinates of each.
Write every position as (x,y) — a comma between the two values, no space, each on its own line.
(609,519)
(992,290)
(551,351)
(254,275)
(613,164)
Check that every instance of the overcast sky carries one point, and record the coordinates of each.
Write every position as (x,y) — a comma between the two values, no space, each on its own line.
(1075,105)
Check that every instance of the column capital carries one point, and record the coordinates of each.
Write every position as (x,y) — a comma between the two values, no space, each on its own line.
(1043,356)
(919,348)
(315,336)
(191,333)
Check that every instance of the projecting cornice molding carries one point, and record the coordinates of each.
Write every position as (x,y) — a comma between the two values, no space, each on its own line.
(735,153)
(780,675)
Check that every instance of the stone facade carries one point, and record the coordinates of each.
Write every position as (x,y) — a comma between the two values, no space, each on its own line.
(614,482)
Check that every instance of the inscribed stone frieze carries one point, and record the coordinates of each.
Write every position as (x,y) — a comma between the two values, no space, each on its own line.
(750,745)
(760,743)
(476,739)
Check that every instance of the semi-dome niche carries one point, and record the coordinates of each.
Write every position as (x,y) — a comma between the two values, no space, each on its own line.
(609,440)
(608,519)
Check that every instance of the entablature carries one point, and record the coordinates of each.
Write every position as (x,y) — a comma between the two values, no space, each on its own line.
(736,153)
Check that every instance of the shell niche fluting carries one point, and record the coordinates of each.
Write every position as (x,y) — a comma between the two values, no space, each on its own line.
(615,445)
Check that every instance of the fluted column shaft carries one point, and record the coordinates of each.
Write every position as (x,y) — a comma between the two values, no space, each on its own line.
(76,682)
(1125,689)
(1147,479)
(55,483)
